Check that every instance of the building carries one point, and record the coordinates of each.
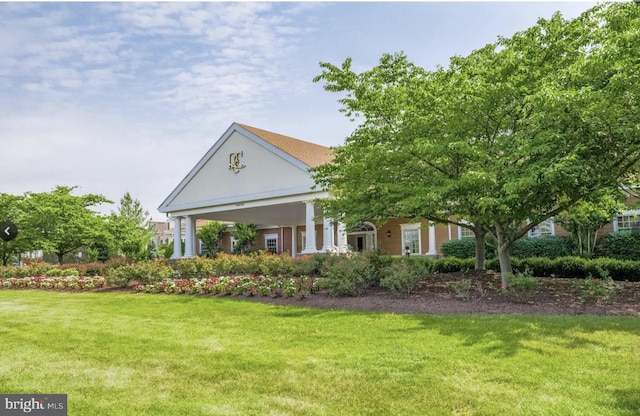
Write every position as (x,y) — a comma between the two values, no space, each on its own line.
(255,176)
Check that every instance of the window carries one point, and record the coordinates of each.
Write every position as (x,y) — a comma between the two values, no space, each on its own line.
(271,243)
(411,238)
(544,229)
(627,221)
(303,239)
(464,232)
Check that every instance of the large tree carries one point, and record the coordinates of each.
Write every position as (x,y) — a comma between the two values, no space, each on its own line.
(516,132)
(379,172)
(59,222)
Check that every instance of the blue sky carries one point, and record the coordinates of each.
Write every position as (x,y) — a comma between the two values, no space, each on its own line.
(127,97)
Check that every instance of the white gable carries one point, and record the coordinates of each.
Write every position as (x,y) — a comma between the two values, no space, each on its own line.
(261,171)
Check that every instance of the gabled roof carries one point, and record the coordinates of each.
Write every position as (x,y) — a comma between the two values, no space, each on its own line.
(299,154)
(309,153)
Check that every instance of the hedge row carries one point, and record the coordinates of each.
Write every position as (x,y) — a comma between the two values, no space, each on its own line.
(575,267)
(621,245)
(551,247)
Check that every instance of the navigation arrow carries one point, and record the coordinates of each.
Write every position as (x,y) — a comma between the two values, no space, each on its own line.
(9,231)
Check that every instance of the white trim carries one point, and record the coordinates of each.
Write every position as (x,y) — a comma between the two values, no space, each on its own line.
(271,236)
(200,209)
(461,229)
(235,127)
(432,240)
(310,228)
(370,237)
(552,228)
(411,227)
(628,213)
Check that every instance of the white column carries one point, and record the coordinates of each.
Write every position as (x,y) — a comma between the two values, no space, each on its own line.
(342,238)
(432,240)
(310,247)
(190,238)
(177,238)
(294,241)
(327,235)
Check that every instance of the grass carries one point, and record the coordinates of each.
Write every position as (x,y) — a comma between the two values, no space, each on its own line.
(135,354)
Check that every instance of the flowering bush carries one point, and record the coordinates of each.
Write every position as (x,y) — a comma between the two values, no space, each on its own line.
(596,289)
(238,285)
(63,282)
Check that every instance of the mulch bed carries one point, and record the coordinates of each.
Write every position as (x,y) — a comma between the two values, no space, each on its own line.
(556,296)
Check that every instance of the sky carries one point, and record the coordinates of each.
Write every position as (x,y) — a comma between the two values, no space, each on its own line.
(128,97)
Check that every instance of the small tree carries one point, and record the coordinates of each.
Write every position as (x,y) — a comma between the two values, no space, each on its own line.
(584,220)
(245,235)
(131,229)
(211,234)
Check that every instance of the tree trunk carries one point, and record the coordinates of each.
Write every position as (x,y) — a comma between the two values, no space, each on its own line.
(504,257)
(480,248)
(60,255)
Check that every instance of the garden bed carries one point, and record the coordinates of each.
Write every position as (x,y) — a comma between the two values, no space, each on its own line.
(555,296)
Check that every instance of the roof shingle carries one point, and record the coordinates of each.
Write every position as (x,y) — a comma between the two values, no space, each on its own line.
(309,153)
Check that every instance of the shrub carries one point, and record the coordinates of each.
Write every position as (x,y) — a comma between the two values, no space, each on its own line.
(55,272)
(596,289)
(452,264)
(309,265)
(466,248)
(401,278)
(571,266)
(614,268)
(461,288)
(264,263)
(622,245)
(348,275)
(522,284)
(228,264)
(550,247)
(142,271)
(424,265)
(194,268)
(537,266)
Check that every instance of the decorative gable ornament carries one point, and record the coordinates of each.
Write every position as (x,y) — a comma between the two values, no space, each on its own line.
(234,162)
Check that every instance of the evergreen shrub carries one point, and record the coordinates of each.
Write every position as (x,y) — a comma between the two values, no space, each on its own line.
(551,247)
(452,264)
(466,248)
(622,245)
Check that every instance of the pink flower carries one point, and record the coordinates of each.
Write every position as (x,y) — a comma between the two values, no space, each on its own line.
(592,292)
(503,287)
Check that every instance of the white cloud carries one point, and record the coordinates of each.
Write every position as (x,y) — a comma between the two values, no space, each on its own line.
(119,97)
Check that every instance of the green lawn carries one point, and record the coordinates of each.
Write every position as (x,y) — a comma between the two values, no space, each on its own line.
(141,354)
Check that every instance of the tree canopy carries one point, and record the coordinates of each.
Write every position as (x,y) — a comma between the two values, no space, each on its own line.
(514,133)
(60,222)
